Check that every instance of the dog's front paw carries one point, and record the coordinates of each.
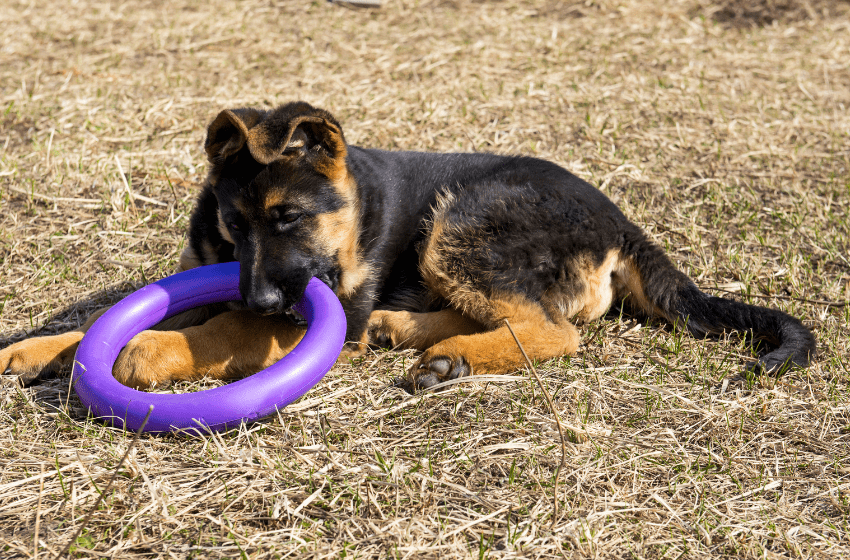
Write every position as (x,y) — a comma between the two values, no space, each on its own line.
(34,358)
(432,370)
(380,330)
(153,358)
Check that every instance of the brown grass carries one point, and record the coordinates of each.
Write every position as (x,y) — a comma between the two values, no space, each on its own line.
(728,142)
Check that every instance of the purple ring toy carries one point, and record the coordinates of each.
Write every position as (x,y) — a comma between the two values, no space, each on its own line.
(224,407)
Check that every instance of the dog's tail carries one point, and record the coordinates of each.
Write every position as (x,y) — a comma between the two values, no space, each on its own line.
(660,289)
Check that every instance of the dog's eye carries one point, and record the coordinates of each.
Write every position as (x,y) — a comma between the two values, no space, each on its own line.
(284,217)
(290,217)
(234,226)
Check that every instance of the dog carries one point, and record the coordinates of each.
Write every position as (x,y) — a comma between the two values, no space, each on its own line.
(424,250)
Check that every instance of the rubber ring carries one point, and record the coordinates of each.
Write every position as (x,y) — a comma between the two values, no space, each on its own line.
(216,409)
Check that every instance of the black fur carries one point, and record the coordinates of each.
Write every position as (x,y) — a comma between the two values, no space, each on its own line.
(517,223)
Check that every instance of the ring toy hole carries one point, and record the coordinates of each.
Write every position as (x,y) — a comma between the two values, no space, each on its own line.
(215,409)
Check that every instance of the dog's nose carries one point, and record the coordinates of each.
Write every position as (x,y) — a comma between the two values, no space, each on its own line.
(265,302)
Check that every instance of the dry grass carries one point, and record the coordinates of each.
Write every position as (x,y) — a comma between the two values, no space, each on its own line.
(723,132)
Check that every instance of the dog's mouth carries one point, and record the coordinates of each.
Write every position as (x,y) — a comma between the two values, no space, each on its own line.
(270,312)
(278,299)
(290,314)
(267,299)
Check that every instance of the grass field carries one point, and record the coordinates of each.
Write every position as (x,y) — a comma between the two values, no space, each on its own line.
(722,128)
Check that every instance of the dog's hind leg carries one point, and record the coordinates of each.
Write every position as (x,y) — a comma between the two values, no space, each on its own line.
(495,350)
(481,258)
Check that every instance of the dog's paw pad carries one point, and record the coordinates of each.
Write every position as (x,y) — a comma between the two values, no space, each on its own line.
(380,329)
(440,365)
(432,371)
(380,338)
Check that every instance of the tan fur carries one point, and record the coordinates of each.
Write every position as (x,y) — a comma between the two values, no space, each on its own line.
(224,230)
(29,357)
(469,301)
(33,355)
(633,286)
(275,197)
(405,329)
(339,233)
(229,345)
(188,260)
(495,351)
(543,328)
(616,278)
(601,285)
(226,120)
(335,168)
(210,255)
(261,144)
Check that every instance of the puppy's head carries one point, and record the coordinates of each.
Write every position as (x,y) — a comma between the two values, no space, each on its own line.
(285,201)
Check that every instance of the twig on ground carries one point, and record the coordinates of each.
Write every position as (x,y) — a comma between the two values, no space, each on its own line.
(557,421)
(53,199)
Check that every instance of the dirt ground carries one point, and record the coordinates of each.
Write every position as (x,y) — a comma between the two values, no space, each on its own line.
(722,128)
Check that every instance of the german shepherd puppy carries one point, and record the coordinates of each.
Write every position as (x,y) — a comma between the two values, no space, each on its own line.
(425,251)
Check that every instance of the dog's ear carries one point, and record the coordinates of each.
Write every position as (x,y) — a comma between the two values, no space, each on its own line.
(229,131)
(270,139)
